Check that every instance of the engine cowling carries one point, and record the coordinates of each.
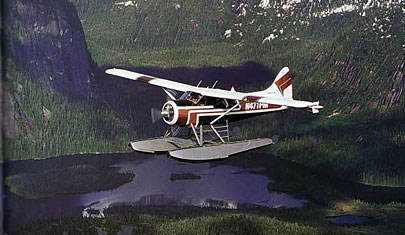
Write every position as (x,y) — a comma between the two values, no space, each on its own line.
(170,112)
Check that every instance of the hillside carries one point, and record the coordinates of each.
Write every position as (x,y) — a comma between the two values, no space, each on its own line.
(353,50)
(54,125)
(347,54)
(49,93)
(45,38)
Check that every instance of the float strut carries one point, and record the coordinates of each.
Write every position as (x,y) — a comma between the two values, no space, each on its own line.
(216,132)
(195,134)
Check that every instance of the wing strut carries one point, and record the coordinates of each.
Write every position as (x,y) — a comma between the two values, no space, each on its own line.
(227,111)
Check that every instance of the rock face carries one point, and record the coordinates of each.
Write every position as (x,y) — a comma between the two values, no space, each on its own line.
(398,80)
(348,78)
(348,75)
(10,128)
(45,38)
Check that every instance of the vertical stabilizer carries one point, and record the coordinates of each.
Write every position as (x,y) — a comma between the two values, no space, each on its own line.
(282,86)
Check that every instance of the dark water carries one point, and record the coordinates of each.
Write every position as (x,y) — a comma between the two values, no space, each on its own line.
(232,183)
(221,185)
(349,220)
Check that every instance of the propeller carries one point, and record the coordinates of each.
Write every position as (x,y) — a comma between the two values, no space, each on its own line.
(155,115)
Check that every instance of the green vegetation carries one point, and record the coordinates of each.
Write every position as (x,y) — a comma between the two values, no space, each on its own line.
(236,224)
(347,62)
(189,220)
(386,218)
(70,180)
(326,198)
(184,176)
(362,147)
(147,224)
(365,146)
(159,34)
(50,124)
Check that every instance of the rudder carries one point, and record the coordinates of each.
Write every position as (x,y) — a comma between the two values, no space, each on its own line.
(282,86)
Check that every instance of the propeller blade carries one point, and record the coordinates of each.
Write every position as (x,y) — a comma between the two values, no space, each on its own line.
(155,115)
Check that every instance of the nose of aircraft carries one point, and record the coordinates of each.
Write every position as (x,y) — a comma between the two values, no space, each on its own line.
(165,113)
(168,112)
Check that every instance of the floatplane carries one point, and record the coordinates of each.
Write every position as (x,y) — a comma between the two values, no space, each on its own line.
(207,111)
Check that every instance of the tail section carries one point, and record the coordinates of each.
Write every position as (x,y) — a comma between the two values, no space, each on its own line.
(282,86)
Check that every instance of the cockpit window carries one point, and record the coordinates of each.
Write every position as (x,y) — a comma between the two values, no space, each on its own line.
(198,99)
(194,97)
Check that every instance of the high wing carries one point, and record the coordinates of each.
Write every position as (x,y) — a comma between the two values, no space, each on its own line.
(212,92)
(150,79)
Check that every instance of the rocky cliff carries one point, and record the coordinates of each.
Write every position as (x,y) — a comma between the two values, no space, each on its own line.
(46,39)
(398,85)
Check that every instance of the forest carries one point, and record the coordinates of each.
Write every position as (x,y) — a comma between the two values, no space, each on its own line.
(352,62)
(347,54)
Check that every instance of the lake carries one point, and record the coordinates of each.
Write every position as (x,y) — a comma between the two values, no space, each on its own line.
(235,183)
(221,185)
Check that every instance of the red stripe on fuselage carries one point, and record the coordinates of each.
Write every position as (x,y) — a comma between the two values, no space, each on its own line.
(186,114)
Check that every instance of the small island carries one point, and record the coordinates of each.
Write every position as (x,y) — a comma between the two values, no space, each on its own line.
(76,179)
(184,176)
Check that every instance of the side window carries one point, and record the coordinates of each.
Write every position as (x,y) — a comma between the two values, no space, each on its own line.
(203,101)
(221,103)
(194,97)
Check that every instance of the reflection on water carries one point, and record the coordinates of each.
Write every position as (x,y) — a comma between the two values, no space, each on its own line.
(217,183)
(220,186)
(349,220)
